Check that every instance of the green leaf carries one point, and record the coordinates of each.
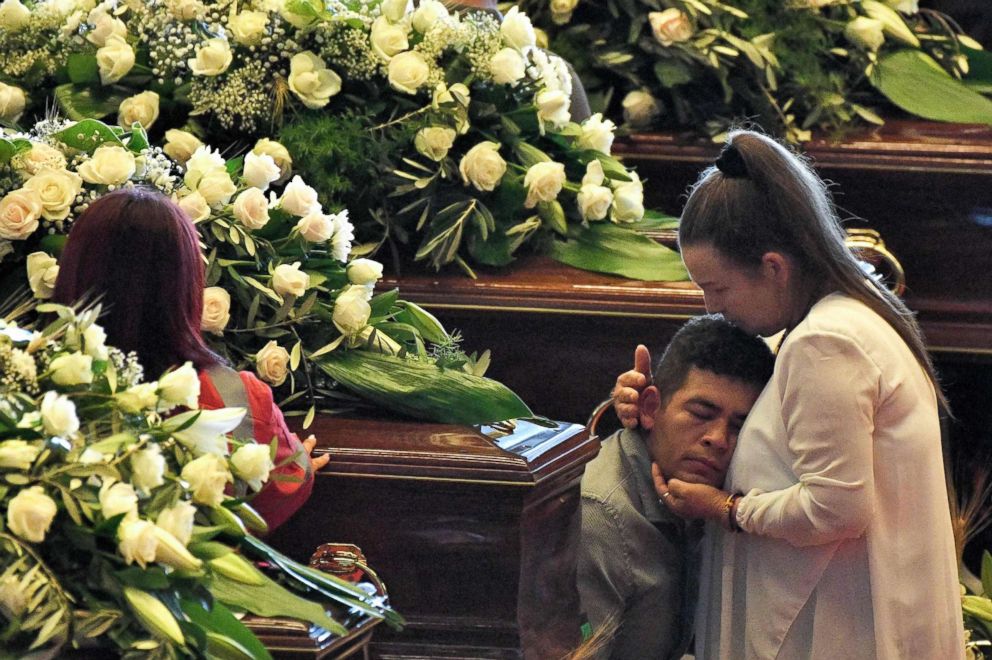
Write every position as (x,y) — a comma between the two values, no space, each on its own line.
(607,248)
(423,390)
(915,82)
(82,68)
(426,323)
(87,135)
(671,73)
(139,138)
(271,599)
(383,303)
(979,65)
(220,620)
(87,103)
(10,148)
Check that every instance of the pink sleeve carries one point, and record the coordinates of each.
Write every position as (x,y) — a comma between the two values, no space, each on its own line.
(278,500)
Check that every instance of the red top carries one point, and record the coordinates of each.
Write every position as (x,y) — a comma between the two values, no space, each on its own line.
(278,500)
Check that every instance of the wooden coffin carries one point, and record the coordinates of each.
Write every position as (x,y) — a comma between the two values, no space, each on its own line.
(472,530)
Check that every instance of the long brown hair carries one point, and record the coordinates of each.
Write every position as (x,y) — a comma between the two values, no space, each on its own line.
(138,252)
(770,199)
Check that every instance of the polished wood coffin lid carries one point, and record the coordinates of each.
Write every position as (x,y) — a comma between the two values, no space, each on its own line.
(388,449)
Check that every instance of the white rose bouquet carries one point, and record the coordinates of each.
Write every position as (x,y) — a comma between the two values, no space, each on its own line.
(460,107)
(276,267)
(791,66)
(116,518)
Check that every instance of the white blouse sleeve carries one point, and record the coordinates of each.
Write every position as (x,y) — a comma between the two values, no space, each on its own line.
(829,388)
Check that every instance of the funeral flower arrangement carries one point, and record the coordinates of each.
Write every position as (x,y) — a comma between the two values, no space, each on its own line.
(449,133)
(281,297)
(116,522)
(793,66)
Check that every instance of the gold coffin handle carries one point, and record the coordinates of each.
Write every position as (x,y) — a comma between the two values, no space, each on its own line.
(868,245)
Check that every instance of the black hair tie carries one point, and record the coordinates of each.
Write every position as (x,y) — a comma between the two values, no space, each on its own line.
(731,163)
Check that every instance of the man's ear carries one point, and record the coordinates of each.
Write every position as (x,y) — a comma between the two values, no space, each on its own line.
(649,402)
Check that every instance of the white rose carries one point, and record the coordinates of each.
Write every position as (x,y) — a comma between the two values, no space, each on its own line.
(289,280)
(137,542)
(543,182)
(141,108)
(117,497)
(670,26)
(186,10)
(507,66)
(13,15)
(216,187)
(260,170)
(248,27)
(12,102)
(408,72)
(594,175)
(57,190)
(279,154)
(95,342)
(43,270)
(207,477)
(364,272)
(639,108)
(216,310)
(311,80)
(628,200)
(388,38)
(865,33)
(594,201)
(212,58)
(58,415)
(19,213)
(13,600)
(178,521)
(180,145)
(252,463)
(482,166)
(394,10)
(561,10)
(597,134)
(203,161)
(115,59)
(291,17)
(251,208)
(434,142)
(138,398)
(298,198)
(905,6)
(180,387)
(110,165)
(352,310)
(148,468)
(30,514)
(315,226)
(428,14)
(272,364)
(104,27)
(39,157)
(344,232)
(552,107)
(17,454)
(72,369)
(195,207)
(517,30)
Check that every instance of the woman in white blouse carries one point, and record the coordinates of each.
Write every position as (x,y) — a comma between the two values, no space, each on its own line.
(833,535)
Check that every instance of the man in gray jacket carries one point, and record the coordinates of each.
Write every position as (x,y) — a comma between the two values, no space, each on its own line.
(637,560)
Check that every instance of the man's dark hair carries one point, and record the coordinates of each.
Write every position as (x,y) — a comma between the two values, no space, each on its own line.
(716,345)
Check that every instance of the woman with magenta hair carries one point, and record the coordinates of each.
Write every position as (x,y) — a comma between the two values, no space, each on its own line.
(138,252)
